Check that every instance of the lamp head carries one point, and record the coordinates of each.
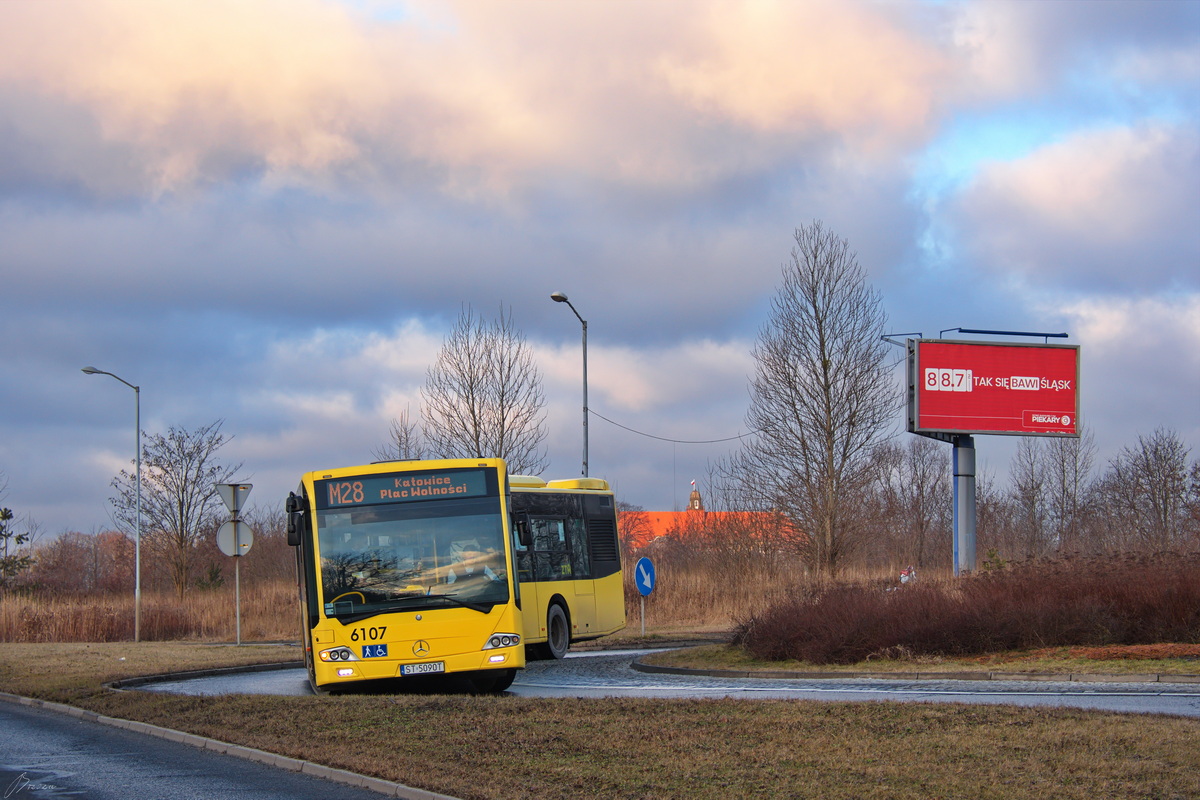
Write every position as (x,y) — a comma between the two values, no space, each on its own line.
(91,371)
(558,297)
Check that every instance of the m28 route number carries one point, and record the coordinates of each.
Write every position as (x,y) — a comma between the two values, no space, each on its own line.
(346,492)
(368,634)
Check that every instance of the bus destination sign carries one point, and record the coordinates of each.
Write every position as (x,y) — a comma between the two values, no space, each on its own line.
(983,387)
(401,487)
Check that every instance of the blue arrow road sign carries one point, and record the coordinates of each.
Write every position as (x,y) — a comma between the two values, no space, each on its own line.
(643,576)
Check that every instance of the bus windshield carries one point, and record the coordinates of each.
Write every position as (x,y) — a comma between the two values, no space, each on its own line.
(418,555)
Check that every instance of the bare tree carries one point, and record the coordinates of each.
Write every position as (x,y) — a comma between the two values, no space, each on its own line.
(78,564)
(821,398)
(634,526)
(1110,525)
(1029,497)
(1068,465)
(404,440)
(1148,486)
(917,497)
(994,520)
(1193,503)
(1050,489)
(483,396)
(180,505)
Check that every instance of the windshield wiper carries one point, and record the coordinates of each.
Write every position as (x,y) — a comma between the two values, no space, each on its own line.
(406,603)
(397,604)
(482,608)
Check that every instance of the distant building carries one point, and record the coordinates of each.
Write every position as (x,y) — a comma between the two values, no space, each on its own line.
(640,528)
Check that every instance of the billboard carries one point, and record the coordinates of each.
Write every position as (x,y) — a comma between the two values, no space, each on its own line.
(957,387)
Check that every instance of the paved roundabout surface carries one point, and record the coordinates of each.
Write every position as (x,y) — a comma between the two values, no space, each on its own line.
(616,673)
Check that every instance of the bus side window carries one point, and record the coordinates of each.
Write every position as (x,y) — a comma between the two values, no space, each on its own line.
(579,548)
(551,556)
(522,555)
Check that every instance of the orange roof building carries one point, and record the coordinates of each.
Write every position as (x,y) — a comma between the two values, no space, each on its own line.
(640,528)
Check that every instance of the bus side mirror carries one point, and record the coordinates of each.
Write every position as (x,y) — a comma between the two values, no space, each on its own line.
(295,518)
(521,523)
(295,524)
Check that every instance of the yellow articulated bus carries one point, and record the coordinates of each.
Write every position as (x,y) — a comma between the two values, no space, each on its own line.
(418,569)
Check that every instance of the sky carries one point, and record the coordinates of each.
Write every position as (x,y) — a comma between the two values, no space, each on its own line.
(271,213)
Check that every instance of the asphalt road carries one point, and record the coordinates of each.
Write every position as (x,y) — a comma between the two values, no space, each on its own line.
(610,674)
(44,754)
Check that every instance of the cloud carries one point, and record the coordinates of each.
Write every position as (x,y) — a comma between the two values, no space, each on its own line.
(197,91)
(687,373)
(1108,322)
(1165,65)
(1012,48)
(1140,365)
(1109,209)
(376,375)
(477,100)
(801,67)
(271,212)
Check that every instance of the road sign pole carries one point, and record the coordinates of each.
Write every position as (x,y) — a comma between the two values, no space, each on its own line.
(229,540)
(644,578)
(237,580)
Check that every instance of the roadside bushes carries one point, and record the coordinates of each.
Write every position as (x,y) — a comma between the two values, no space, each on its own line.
(1129,600)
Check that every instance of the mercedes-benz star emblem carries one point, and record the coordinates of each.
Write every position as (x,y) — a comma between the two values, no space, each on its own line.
(421,648)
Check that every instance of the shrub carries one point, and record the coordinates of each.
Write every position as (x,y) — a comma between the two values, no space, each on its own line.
(1133,600)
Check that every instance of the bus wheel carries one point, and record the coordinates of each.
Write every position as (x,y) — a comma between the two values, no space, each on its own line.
(558,632)
(504,679)
(493,681)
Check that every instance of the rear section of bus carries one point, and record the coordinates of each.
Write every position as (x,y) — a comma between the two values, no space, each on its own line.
(568,562)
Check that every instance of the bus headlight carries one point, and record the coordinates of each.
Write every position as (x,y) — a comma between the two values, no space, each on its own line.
(502,640)
(338,654)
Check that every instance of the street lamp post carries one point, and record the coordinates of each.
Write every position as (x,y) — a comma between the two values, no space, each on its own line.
(559,297)
(137,542)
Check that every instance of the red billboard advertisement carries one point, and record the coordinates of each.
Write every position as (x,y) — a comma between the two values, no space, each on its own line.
(984,387)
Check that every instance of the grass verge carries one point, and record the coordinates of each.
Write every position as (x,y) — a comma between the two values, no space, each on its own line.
(1179,659)
(485,747)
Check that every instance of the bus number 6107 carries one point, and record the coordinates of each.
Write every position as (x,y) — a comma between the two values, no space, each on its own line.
(368,634)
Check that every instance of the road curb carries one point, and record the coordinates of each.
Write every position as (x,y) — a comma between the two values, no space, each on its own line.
(641,666)
(142,680)
(341,776)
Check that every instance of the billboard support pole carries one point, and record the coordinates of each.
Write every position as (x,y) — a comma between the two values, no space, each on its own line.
(964,504)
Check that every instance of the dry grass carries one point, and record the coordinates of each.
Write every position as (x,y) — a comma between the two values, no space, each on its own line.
(80,669)
(269,612)
(714,588)
(549,749)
